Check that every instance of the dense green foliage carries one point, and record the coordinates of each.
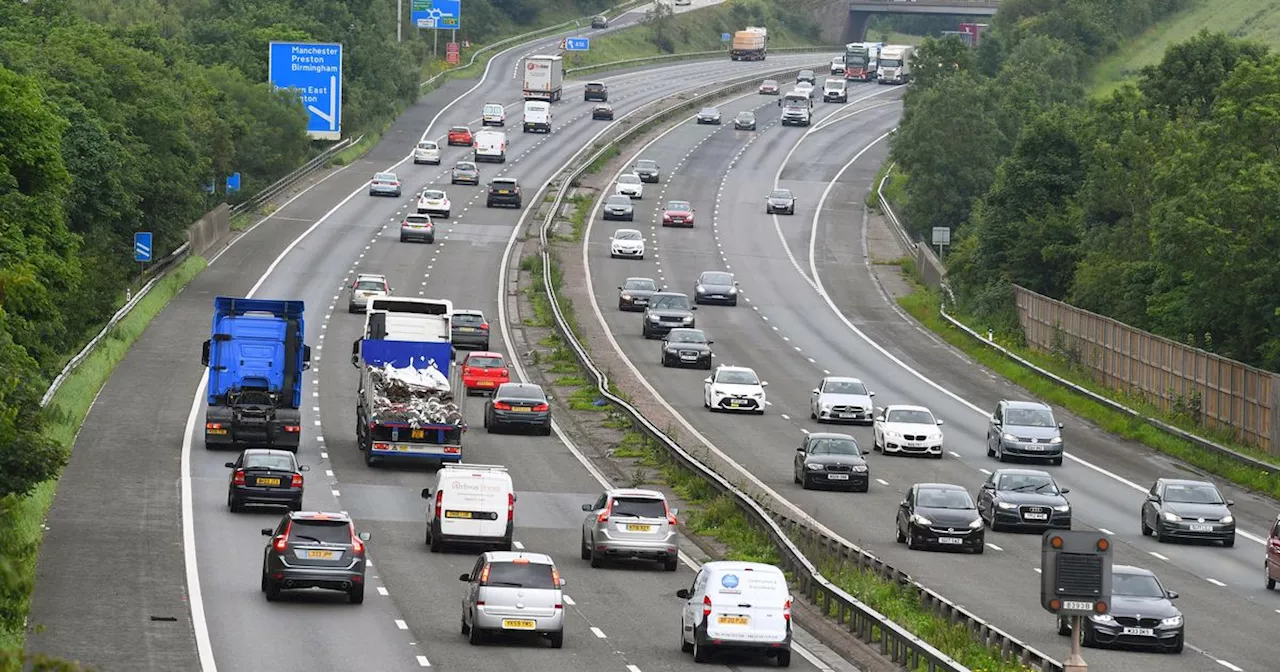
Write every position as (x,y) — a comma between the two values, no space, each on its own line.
(1154,205)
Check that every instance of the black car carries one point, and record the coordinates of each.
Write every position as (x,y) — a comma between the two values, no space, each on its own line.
(830,460)
(807,76)
(686,347)
(1182,509)
(715,287)
(709,115)
(1141,614)
(470,329)
(518,405)
(648,170)
(312,549)
(634,293)
(265,476)
(618,206)
(940,515)
(745,121)
(599,22)
(602,111)
(780,201)
(1023,498)
(503,191)
(667,311)
(595,91)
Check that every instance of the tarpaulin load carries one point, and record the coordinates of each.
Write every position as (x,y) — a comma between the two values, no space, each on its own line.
(414,396)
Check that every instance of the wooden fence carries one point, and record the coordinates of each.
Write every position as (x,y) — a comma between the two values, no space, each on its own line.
(1221,393)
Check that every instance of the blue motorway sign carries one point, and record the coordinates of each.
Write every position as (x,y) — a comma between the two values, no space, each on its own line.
(436,14)
(314,70)
(725,37)
(577,44)
(142,246)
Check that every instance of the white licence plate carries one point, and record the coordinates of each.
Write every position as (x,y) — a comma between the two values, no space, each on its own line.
(1037,516)
(1140,632)
(838,477)
(688,356)
(848,415)
(914,444)
(1036,448)
(1201,528)
(950,540)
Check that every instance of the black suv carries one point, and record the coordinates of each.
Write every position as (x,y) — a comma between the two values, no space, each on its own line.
(503,191)
(596,91)
(310,549)
(599,22)
(667,311)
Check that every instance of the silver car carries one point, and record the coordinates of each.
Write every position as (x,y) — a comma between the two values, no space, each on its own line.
(1024,429)
(780,201)
(367,286)
(841,399)
(626,523)
(384,184)
(513,592)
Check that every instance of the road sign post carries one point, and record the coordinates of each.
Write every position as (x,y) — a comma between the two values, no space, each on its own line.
(577,44)
(314,70)
(1075,581)
(941,238)
(725,37)
(452,53)
(142,247)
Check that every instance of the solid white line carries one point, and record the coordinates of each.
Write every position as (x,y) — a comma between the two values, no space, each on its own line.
(1157,555)
(1216,582)
(401,624)
(1038,570)
(1229,666)
(422,661)
(985,471)
(568,600)
(954,454)
(597,632)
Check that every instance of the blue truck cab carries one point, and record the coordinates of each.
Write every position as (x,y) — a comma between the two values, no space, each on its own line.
(256,357)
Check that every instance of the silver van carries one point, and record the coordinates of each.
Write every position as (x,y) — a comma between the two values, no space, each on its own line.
(739,606)
(513,593)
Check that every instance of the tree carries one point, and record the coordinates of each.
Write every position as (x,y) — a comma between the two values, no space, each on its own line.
(937,59)
(1186,80)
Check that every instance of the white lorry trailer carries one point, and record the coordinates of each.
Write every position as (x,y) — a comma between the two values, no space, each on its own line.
(543,77)
(895,64)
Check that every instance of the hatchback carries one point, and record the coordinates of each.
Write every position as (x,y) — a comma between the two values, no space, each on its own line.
(417,227)
(627,523)
(367,287)
(518,405)
(745,121)
(618,206)
(602,111)
(470,329)
(1025,429)
(427,151)
(465,172)
(715,287)
(265,476)
(512,592)
(709,115)
(484,371)
(314,549)
(769,87)
(460,135)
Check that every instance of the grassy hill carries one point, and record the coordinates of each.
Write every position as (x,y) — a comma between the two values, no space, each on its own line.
(1254,19)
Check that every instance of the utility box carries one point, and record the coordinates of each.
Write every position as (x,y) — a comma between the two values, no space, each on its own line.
(1075,573)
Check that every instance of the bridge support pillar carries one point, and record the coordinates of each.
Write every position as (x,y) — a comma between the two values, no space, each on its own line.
(855,28)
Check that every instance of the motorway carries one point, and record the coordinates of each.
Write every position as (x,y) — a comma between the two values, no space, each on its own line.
(793,329)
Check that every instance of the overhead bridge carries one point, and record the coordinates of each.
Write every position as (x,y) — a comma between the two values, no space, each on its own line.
(860,12)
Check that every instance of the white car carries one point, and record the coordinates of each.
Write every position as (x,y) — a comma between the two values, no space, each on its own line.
(427,151)
(627,243)
(630,185)
(841,399)
(434,202)
(493,115)
(910,430)
(804,88)
(734,388)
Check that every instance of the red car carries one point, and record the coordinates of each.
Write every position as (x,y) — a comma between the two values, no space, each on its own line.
(460,135)
(678,213)
(484,371)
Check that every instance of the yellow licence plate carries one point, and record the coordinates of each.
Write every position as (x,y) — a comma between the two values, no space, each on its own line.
(521,409)
(457,514)
(503,191)
(417,433)
(639,528)
(268,481)
(517,624)
(732,620)
(320,555)
(216,432)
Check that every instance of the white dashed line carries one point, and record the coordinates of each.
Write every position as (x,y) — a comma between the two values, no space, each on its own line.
(1216,582)
(568,600)
(1157,555)
(597,632)
(401,624)
(1106,531)
(881,481)
(985,471)
(993,547)
(324,456)
(1229,666)
(382,590)
(328,472)
(422,661)
(632,668)
(519,546)
(336,493)
(317,423)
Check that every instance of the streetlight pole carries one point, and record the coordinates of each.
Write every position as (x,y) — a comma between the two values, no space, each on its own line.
(399,20)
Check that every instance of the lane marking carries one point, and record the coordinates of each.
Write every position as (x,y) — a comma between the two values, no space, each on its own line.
(1216,582)
(597,632)
(519,546)
(1038,570)
(985,471)
(632,668)
(881,481)
(1158,556)
(1106,531)
(1229,666)
(993,547)
(568,600)
(401,624)
(382,590)
(423,662)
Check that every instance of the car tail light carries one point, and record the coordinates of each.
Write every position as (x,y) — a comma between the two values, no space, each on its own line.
(503,371)
(706,606)
(292,429)
(542,407)
(511,507)
(213,425)
(238,478)
(296,482)
(466,370)
(501,406)
(604,515)
(357,546)
(786,611)
(439,501)
(281,542)
(484,574)
(484,325)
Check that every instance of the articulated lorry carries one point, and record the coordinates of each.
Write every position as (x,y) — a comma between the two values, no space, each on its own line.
(543,77)
(751,44)
(857,63)
(895,64)
(256,357)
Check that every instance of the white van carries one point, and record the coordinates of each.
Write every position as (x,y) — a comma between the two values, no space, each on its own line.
(427,151)
(537,116)
(493,114)
(491,146)
(744,606)
(835,90)
(472,504)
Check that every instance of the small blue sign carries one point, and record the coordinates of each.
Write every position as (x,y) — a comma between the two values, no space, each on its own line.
(725,37)
(233,182)
(314,70)
(729,581)
(142,246)
(436,14)
(577,43)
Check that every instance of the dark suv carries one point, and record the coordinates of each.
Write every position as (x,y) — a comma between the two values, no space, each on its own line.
(503,191)
(310,549)
(596,91)
(667,311)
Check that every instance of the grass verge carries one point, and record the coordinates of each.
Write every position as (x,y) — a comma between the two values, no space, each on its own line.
(923,304)
(22,521)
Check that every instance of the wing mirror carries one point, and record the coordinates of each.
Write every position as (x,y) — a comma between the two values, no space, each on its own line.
(588,507)
(1059,425)
(364,536)
(711,342)
(764,383)
(683,593)
(1064,490)
(815,391)
(675,512)
(303,467)
(988,486)
(942,422)
(563,583)
(693,307)
(706,380)
(426,493)
(465,577)
(1173,594)
(231,465)
(1231,502)
(1153,498)
(266,531)
(995,421)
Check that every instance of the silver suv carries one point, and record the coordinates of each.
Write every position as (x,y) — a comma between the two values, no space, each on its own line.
(513,592)
(627,523)
(1024,429)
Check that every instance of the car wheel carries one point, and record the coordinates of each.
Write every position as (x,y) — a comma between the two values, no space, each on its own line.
(557,640)
(403,239)
(596,560)
(296,505)
(1177,648)
(463,627)
(685,647)
(1228,543)
(999,453)
(784,659)
(992,523)
(665,362)
(586,550)
(804,483)
(1146,531)
(911,540)
(232,505)
(273,590)
(546,431)
(1271,583)
(1161,537)
(1063,628)
(476,636)
(671,564)
(701,653)
(898,535)
(356,594)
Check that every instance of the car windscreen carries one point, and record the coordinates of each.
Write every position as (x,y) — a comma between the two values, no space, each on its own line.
(738,378)
(834,447)
(716,279)
(418,219)
(385,177)
(646,165)
(433,195)
(279,462)
(493,109)
(1028,417)
(639,507)
(322,531)
(520,575)
(746,116)
(845,387)
(769,82)
(370,286)
(779,193)
(429,144)
(1192,494)
(521,394)
(1135,585)
(627,235)
(459,129)
(679,206)
(912,417)
(640,285)
(944,499)
(670,302)
(618,200)
(891,62)
(1040,483)
(686,336)
(485,362)
(468,319)
(464,165)
(710,110)
(628,179)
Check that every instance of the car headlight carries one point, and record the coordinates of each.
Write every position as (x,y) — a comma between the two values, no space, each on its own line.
(1008,437)
(975,524)
(700,289)
(814,467)
(687,318)
(757,395)
(1102,618)
(1056,439)
(1006,505)
(733,290)
(1172,517)
(860,469)
(654,318)
(935,437)
(826,407)
(894,435)
(1172,621)
(921,520)
(626,297)
(1062,508)
(1228,520)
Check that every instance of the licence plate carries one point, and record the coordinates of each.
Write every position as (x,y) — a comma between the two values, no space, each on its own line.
(517,624)
(486,383)
(521,409)
(457,514)
(1037,516)
(838,477)
(1078,606)
(1201,528)
(735,404)
(417,433)
(320,555)
(950,540)
(504,191)
(1036,448)
(466,328)
(641,302)
(1140,632)
(732,620)
(639,528)
(847,415)
(268,481)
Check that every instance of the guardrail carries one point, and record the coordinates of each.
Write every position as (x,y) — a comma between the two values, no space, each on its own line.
(274,189)
(1207,444)
(690,56)
(894,642)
